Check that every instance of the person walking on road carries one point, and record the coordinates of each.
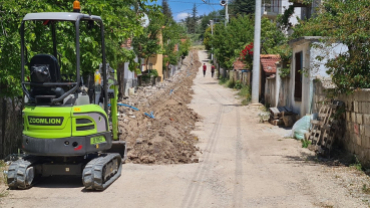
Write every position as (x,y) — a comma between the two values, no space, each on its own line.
(204,69)
(212,70)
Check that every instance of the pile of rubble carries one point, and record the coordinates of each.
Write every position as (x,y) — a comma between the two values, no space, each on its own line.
(156,122)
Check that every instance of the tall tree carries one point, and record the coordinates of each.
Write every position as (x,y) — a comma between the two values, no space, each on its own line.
(166,11)
(242,7)
(192,21)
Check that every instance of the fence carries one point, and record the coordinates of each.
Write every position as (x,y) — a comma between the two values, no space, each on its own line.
(270,91)
(244,76)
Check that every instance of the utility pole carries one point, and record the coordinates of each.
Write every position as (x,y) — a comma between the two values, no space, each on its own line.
(256,53)
(211,21)
(225,3)
(227,12)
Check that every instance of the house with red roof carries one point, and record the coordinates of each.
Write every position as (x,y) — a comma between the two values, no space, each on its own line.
(267,70)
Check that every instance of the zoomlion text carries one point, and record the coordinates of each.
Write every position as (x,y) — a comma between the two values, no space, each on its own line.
(45,121)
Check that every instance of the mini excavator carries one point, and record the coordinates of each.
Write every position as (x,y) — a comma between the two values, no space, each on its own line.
(66,131)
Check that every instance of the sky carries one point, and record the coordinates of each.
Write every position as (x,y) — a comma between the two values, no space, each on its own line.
(182,8)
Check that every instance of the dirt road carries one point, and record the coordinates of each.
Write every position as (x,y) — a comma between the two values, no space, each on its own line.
(242,164)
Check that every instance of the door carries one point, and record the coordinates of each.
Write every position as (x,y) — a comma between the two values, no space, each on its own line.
(298,77)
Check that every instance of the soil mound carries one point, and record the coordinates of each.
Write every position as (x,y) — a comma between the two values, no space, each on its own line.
(166,138)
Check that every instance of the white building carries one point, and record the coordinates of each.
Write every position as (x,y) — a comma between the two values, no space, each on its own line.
(304,60)
(272,8)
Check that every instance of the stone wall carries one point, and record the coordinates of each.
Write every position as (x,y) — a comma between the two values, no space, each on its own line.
(356,139)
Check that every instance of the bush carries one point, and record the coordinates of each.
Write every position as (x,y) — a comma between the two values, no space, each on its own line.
(238,85)
(245,94)
(153,73)
(230,84)
(222,80)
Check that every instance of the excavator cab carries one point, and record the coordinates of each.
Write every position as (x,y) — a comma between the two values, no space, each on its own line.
(66,132)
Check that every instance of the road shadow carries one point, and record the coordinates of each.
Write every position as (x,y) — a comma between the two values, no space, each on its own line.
(206,60)
(232,105)
(338,157)
(210,83)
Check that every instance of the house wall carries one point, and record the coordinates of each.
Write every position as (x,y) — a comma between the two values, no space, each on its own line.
(284,5)
(297,106)
(312,68)
(130,78)
(157,63)
(282,87)
(157,60)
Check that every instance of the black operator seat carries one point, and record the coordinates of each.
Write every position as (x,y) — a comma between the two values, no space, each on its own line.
(44,68)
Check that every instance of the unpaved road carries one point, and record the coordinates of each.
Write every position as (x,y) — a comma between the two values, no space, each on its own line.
(243,164)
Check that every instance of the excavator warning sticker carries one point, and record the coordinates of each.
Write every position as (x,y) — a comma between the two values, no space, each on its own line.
(77,109)
(97,140)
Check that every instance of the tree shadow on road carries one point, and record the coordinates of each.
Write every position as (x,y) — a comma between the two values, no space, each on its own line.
(210,83)
(338,157)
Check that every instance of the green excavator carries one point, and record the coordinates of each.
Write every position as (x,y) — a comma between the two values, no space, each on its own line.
(66,130)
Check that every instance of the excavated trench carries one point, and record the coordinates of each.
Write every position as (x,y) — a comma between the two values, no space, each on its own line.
(166,138)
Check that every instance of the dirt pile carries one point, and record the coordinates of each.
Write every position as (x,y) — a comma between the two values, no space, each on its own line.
(166,138)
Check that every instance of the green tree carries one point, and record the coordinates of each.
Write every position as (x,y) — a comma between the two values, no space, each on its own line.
(229,41)
(147,44)
(120,22)
(242,7)
(343,22)
(166,10)
(191,21)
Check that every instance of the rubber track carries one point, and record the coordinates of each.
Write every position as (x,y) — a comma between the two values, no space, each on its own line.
(92,176)
(17,174)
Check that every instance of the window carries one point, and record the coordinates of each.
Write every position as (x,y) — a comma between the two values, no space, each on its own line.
(298,77)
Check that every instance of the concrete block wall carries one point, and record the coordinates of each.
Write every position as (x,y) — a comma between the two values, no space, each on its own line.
(319,96)
(356,139)
(357,136)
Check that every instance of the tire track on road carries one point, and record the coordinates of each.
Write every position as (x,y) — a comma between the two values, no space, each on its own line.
(238,186)
(194,190)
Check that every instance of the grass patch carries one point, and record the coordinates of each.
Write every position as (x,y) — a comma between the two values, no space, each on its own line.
(245,94)
(356,163)
(305,143)
(222,80)
(365,189)
(2,168)
(4,192)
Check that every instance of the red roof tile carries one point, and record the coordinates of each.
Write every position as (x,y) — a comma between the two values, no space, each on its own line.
(238,65)
(268,63)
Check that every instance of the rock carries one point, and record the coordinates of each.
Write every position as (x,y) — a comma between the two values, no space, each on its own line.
(121,123)
(139,141)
